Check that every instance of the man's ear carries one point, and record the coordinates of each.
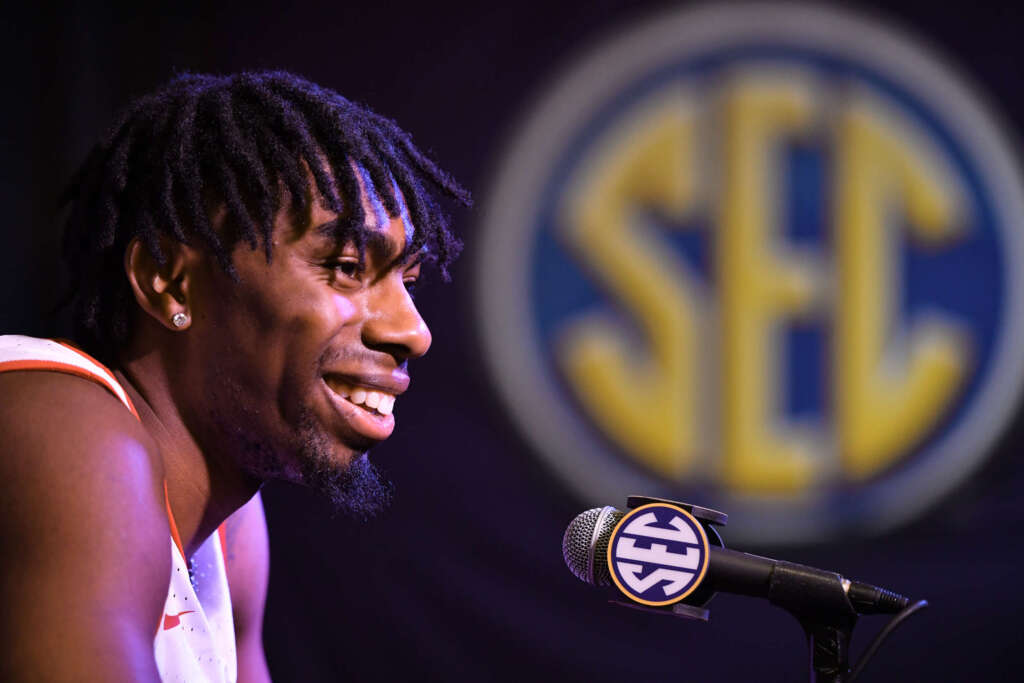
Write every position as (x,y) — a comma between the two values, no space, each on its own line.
(162,290)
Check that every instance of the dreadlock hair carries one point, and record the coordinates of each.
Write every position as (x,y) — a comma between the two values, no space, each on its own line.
(241,142)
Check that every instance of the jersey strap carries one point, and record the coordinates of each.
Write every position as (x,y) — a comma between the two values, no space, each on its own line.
(18,352)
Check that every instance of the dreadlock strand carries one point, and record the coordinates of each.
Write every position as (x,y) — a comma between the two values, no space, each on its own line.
(355,216)
(294,127)
(176,193)
(244,159)
(223,186)
(378,178)
(113,179)
(187,169)
(278,162)
(427,167)
(150,237)
(153,212)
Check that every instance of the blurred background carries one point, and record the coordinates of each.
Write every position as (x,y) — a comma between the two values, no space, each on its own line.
(762,260)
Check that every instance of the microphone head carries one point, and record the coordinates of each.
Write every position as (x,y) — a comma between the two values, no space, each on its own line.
(585,544)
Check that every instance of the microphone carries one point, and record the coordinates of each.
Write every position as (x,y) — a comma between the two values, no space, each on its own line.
(803,590)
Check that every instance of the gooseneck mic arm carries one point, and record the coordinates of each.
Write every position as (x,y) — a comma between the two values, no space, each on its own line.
(797,587)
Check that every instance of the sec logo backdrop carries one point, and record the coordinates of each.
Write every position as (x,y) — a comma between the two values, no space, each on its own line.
(765,257)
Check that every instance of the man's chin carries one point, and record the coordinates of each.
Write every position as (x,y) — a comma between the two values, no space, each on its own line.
(358,490)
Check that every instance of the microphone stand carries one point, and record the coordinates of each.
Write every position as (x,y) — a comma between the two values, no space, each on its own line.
(828,624)
(830,651)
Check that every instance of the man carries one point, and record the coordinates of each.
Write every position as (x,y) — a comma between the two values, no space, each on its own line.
(242,250)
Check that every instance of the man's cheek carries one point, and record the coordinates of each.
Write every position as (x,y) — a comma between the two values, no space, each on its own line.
(345,308)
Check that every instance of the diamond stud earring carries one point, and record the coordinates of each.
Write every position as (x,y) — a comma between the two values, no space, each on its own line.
(179,319)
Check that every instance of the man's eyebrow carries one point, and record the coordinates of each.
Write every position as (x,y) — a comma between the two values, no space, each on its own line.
(376,241)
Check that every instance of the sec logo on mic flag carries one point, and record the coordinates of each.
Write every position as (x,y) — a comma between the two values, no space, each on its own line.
(658,554)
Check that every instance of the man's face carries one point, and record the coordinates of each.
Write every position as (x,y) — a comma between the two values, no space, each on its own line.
(303,359)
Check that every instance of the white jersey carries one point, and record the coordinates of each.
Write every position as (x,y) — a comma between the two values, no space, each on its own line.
(195,639)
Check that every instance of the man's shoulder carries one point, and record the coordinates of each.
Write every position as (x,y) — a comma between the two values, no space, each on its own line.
(79,474)
(84,535)
(58,425)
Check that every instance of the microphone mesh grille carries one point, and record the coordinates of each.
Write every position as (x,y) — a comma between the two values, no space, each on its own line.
(585,544)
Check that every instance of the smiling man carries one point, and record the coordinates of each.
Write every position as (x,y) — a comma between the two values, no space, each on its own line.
(242,250)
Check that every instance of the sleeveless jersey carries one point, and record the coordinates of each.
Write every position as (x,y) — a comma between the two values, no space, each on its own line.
(195,639)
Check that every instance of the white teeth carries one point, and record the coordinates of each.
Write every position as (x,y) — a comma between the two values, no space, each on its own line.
(373,399)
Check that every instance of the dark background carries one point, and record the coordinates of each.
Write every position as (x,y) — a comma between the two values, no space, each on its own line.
(463,578)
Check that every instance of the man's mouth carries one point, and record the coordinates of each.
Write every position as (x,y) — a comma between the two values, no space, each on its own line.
(371,400)
(365,402)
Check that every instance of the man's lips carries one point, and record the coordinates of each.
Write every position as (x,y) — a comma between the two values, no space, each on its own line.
(366,406)
(394,383)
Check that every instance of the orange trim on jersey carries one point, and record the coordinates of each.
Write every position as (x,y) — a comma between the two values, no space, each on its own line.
(71,347)
(223,533)
(174,527)
(66,368)
(110,374)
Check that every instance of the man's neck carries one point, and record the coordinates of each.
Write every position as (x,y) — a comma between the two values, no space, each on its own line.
(203,490)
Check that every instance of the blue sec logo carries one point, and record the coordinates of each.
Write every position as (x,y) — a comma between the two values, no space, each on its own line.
(658,554)
(769,257)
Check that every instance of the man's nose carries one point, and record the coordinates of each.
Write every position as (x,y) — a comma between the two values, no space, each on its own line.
(394,324)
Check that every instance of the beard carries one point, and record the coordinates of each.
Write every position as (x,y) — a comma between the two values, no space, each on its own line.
(358,489)
(355,489)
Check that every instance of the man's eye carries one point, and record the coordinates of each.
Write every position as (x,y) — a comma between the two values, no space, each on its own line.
(349,269)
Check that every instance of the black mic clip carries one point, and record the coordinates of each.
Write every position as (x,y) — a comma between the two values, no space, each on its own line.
(695,605)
